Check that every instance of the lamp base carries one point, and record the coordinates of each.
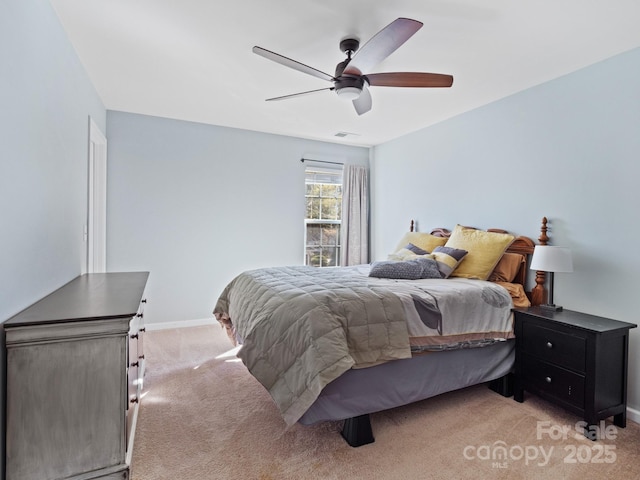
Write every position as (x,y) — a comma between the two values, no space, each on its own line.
(551,307)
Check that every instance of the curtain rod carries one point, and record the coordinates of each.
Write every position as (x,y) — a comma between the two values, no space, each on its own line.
(319,161)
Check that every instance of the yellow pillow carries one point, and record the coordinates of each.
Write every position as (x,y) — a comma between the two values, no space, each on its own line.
(425,241)
(485,250)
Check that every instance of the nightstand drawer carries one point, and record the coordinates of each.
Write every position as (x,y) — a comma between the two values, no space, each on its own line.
(555,347)
(553,380)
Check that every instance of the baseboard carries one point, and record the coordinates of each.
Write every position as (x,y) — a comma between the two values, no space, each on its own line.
(633,414)
(198,322)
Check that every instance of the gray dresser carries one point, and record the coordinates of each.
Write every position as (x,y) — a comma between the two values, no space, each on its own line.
(74,375)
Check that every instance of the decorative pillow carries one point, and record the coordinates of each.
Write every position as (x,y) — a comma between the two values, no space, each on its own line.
(448,259)
(403,254)
(485,250)
(507,268)
(425,241)
(407,253)
(415,249)
(420,267)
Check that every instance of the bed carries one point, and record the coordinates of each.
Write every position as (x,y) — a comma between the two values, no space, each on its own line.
(341,343)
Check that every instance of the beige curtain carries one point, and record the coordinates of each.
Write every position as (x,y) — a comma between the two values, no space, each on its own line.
(355,216)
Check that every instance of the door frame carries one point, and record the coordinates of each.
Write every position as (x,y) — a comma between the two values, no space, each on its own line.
(96,230)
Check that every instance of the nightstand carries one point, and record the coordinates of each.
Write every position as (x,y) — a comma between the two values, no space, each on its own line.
(575,360)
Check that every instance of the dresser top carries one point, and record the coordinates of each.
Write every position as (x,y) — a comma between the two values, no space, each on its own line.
(579,320)
(91,296)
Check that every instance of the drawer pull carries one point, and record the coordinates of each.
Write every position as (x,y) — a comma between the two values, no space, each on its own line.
(547,379)
(135,364)
(549,345)
(134,400)
(134,336)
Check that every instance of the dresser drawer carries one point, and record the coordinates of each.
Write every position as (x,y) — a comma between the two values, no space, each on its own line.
(553,380)
(552,346)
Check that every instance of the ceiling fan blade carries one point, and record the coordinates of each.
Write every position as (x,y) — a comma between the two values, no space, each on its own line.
(409,79)
(383,44)
(284,97)
(362,104)
(287,62)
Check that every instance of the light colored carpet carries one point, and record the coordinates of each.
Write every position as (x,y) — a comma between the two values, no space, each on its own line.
(203,416)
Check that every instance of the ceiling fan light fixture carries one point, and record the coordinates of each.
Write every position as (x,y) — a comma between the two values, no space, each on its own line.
(350,93)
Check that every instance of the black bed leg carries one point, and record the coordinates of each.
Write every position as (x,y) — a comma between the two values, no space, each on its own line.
(357,431)
(503,385)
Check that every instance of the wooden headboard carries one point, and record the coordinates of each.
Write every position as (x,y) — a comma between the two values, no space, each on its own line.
(522,245)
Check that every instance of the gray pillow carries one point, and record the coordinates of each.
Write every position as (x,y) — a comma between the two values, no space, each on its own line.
(406,270)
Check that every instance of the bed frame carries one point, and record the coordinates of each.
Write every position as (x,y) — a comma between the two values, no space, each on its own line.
(357,430)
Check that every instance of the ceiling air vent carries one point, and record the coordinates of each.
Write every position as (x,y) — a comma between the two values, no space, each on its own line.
(345,134)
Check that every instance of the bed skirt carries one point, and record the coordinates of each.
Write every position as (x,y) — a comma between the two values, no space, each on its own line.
(400,382)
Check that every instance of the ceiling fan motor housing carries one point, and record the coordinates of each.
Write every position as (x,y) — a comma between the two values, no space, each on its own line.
(349,81)
(349,86)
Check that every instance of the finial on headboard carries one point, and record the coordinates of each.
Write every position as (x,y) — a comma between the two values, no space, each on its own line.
(543,238)
(539,293)
(411,227)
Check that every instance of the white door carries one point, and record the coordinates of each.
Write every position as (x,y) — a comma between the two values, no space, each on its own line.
(97,209)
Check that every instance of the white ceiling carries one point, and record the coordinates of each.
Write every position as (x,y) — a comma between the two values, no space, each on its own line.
(192,59)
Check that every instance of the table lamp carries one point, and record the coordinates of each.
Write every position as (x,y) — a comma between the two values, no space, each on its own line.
(551,259)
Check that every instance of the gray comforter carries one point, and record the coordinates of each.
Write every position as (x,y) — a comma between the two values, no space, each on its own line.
(302,327)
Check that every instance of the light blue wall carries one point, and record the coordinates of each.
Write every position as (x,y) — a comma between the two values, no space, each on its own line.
(197,204)
(568,149)
(46,100)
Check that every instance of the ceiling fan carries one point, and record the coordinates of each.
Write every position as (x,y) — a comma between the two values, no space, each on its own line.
(350,80)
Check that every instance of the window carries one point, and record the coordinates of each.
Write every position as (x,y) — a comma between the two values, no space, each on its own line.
(323,194)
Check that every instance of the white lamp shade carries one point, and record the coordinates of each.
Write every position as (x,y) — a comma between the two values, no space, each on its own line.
(548,258)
